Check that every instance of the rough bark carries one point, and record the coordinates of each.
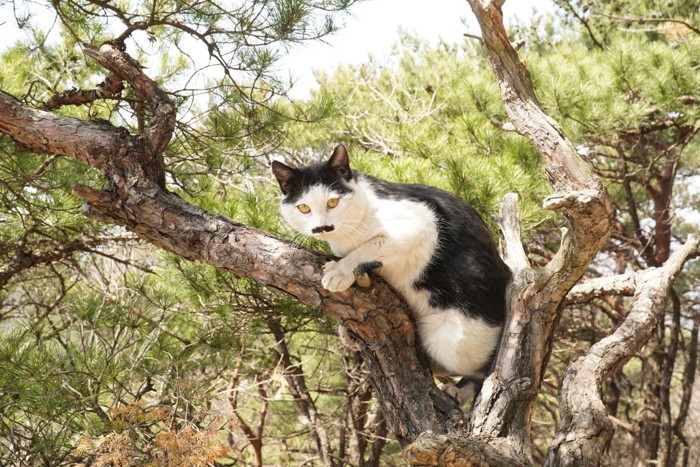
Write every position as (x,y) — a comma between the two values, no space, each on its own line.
(498,429)
(586,430)
(681,446)
(136,199)
(499,424)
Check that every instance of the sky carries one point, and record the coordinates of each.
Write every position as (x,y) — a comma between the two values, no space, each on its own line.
(372,27)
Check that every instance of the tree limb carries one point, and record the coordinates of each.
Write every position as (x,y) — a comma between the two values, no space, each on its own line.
(111,86)
(136,199)
(502,413)
(162,123)
(622,284)
(46,133)
(586,429)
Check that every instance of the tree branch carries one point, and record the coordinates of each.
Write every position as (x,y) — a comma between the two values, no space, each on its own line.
(111,86)
(162,123)
(502,413)
(136,199)
(296,381)
(622,284)
(93,142)
(586,429)
(479,442)
(511,245)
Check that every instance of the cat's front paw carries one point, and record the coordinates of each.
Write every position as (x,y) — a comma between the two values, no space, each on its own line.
(337,277)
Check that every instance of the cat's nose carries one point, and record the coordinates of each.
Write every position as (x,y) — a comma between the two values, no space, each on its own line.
(323,228)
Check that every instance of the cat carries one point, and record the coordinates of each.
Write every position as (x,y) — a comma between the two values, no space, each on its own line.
(434,249)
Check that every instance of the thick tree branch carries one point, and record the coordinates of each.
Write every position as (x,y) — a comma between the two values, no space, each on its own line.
(136,199)
(162,122)
(502,413)
(622,284)
(500,389)
(44,132)
(110,87)
(586,430)
(479,443)
(580,196)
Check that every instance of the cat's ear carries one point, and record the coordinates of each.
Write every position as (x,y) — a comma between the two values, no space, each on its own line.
(339,163)
(285,175)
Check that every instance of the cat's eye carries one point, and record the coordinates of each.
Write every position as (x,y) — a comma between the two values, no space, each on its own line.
(333,202)
(304,208)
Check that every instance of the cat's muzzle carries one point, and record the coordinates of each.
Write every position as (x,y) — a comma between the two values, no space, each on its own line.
(323,228)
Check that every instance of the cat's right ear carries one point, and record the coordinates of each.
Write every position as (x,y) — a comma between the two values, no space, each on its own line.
(339,163)
(285,175)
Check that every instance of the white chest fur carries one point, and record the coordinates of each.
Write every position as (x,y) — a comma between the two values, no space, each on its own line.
(406,232)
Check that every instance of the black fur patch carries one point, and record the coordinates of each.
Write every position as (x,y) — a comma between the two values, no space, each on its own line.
(317,174)
(465,271)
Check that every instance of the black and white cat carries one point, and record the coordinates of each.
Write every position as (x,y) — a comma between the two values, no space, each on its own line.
(434,249)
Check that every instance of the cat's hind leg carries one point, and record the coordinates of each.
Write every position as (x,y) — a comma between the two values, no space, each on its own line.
(463,391)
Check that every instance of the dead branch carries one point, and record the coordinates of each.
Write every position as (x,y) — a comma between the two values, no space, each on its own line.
(622,284)
(499,424)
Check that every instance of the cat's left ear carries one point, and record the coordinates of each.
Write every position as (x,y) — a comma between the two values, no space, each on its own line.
(285,175)
(339,163)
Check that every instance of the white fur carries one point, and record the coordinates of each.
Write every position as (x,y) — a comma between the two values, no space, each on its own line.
(403,235)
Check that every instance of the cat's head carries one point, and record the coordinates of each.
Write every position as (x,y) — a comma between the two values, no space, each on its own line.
(320,200)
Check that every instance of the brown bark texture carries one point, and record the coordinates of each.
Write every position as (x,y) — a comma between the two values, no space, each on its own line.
(498,426)
(502,413)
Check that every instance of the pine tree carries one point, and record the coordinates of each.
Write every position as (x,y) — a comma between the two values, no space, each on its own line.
(114,352)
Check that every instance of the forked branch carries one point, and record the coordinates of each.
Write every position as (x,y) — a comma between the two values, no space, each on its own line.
(501,416)
(586,429)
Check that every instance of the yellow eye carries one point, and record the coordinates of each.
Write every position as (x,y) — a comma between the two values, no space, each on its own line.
(333,202)
(304,208)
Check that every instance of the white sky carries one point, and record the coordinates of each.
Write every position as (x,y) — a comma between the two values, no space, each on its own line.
(371,28)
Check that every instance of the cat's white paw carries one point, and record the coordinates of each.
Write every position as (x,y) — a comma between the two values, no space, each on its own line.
(337,277)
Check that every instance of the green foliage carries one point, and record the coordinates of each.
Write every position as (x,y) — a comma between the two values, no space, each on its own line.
(420,121)
(602,93)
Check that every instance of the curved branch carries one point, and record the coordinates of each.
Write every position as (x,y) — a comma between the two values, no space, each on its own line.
(586,430)
(110,87)
(502,413)
(376,317)
(580,196)
(93,141)
(622,284)
(511,245)
(162,123)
